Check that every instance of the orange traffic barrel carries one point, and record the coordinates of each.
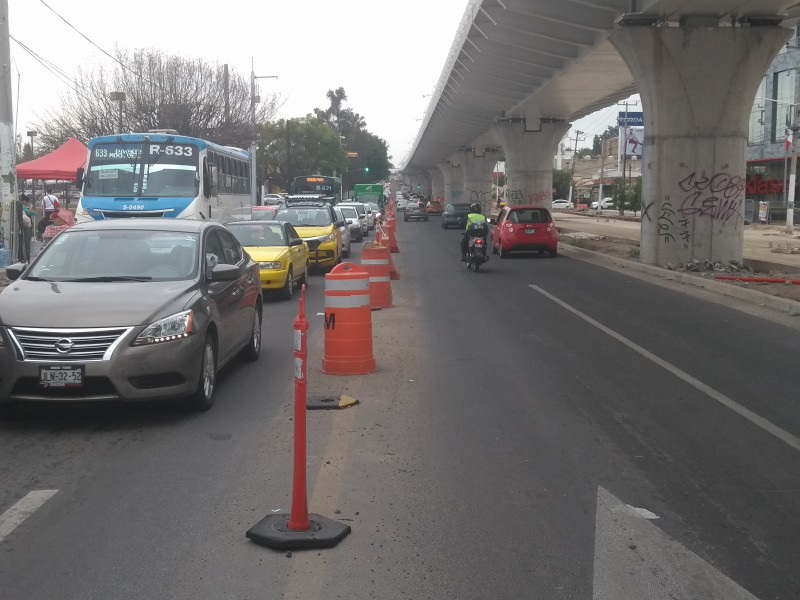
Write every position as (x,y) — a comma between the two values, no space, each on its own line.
(375,260)
(392,240)
(348,322)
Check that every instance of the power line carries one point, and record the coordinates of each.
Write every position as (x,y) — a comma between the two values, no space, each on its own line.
(116,60)
(52,68)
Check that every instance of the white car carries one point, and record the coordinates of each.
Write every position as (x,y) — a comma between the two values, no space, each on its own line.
(561,203)
(401,204)
(344,230)
(604,203)
(361,209)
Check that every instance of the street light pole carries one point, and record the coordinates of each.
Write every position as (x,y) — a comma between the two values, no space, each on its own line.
(572,166)
(31,134)
(792,179)
(118,97)
(254,99)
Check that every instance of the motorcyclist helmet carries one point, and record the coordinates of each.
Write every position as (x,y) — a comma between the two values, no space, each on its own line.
(475,208)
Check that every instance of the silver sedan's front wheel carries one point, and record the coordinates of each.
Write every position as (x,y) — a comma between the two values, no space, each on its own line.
(203,397)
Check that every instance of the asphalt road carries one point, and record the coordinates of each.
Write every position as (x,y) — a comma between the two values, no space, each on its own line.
(593,436)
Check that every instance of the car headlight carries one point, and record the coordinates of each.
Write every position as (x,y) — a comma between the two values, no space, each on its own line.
(266,266)
(327,238)
(168,329)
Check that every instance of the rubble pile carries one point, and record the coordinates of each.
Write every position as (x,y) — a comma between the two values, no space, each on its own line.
(708,266)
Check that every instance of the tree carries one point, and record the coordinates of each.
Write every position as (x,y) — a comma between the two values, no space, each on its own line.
(312,146)
(162,91)
(561,183)
(597,145)
(372,151)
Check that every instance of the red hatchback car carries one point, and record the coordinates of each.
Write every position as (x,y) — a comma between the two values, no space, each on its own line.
(524,228)
(435,207)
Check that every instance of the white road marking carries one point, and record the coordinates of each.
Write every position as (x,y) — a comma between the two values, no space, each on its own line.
(23,509)
(635,559)
(748,414)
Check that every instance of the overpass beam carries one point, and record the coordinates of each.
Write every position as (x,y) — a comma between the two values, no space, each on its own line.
(697,86)
(529,161)
(477,166)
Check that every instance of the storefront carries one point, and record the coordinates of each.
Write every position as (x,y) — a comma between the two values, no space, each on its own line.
(765,183)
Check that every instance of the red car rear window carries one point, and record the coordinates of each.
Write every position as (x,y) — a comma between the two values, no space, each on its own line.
(529,215)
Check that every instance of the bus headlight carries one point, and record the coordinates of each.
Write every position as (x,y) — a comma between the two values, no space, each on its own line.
(269,266)
(168,329)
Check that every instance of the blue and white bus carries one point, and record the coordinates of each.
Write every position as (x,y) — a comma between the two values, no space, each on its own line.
(163,174)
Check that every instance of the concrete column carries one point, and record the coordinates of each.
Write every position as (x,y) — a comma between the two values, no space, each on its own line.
(447,180)
(697,86)
(453,181)
(529,161)
(425,178)
(457,179)
(477,173)
(437,183)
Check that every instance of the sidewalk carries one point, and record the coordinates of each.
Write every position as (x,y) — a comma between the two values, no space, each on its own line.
(766,247)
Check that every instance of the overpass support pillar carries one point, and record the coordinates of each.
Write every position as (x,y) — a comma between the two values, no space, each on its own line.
(477,166)
(529,160)
(453,181)
(437,183)
(697,84)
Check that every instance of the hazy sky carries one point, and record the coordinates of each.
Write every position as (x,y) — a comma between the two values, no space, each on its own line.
(386,54)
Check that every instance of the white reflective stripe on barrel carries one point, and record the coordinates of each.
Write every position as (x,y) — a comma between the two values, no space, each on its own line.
(347,301)
(374,261)
(346,285)
(379,279)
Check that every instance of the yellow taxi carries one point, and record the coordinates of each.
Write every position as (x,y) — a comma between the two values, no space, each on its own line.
(313,218)
(281,254)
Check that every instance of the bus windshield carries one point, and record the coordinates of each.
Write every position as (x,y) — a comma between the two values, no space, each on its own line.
(145,170)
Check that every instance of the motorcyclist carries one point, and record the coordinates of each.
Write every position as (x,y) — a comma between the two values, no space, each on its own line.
(473,219)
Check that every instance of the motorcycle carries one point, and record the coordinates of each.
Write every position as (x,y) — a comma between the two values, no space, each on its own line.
(476,252)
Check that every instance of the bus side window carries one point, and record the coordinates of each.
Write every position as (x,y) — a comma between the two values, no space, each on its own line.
(238,186)
(246,178)
(228,175)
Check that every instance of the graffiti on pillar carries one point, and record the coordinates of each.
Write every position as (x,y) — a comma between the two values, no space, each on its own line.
(515,196)
(542,196)
(480,197)
(666,222)
(719,196)
(684,231)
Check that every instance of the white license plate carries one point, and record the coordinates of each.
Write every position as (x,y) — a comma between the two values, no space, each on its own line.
(61,376)
(530,231)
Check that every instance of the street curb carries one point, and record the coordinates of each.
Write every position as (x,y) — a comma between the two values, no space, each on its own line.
(789,307)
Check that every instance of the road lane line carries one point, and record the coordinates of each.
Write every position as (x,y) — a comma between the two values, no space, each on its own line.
(23,509)
(748,414)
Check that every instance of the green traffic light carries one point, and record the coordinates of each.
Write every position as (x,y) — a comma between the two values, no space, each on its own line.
(366,169)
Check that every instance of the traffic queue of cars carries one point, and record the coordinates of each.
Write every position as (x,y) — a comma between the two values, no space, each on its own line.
(165,303)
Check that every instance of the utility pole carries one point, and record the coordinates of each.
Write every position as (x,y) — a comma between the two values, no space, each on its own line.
(792,181)
(572,166)
(624,147)
(253,146)
(8,175)
(602,173)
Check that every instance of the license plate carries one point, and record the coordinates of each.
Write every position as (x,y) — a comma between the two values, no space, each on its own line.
(61,376)
(530,231)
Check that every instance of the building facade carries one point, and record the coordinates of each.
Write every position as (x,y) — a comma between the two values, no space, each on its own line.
(774,112)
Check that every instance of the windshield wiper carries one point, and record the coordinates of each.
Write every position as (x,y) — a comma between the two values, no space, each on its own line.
(111,278)
(32,278)
(160,153)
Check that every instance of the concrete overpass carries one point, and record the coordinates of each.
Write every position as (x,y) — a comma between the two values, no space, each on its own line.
(519,71)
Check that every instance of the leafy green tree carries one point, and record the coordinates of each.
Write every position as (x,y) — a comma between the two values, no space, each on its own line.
(561,182)
(294,147)
(372,161)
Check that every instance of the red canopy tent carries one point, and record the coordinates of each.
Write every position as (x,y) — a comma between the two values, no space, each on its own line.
(60,164)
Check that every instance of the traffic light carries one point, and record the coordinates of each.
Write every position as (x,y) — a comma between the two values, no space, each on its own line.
(419,187)
(366,169)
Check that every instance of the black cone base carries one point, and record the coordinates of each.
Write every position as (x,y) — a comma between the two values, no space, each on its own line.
(273,531)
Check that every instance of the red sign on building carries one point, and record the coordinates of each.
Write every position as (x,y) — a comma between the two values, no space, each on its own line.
(756,185)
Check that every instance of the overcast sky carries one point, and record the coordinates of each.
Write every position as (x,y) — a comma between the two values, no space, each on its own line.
(386,54)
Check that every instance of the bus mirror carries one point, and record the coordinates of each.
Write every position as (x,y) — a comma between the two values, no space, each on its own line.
(79,177)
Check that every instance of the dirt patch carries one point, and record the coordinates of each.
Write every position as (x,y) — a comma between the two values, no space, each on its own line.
(630,251)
